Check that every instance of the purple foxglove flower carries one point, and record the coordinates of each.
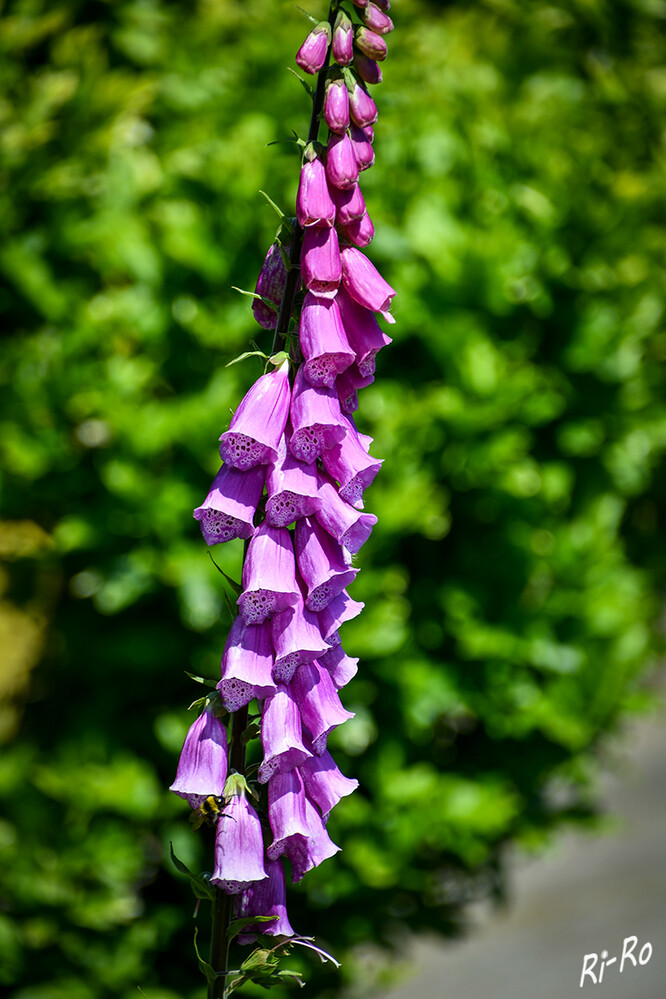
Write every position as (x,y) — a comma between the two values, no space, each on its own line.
(324,783)
(369,132)
(292,487)
(269,575)
(323,342)
(341,165)
(376,19)
(341,608)
(318,702)
(348,384)
(266,898)
(362,108)
(348,526)
(364,283)
(361,232)
(258,424)
(229,508)
(312,54)
(363,151)
(270,285)
(336,105)
(313,202)
(365,336)
(315,418)
(322,564)
(296,639)
(247,665)
(343,40)
(384,5)
(298,830)
(351,465)
(202,767)
(349,204)
(320,260)
(239,847)
(341,667)
(281,735)
(370,43)
(367,69)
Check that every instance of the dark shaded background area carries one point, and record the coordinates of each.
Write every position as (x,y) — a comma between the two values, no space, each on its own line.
(514,578)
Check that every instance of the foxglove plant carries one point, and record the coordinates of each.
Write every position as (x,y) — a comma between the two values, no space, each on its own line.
(292,482)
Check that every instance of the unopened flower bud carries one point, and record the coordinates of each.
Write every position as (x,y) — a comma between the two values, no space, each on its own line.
(367,69)
(341,165)
(313,202)
(270,285)
(363,151)
(320,261)
(343,40)
(362,108)
(336,106)
(359,232)
(370,43)
(312,54)
(349,204)
(376,19)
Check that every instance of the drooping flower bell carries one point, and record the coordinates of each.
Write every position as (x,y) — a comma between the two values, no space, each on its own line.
(269,575)
(320,260)
(265,898)
(362,108)
(239,843)
(316,419)
(345,523)
(322,564)
(313,202)
(202,767)
(318,702)
(270,285)
(322,339)
(343,40)
(258,424)
(312,54)
(364,283)
(292,487)
(336,105)
(281,735)
(247,665)
(325,785)
(298,829)
(229,508)
(341,164)
(297,639)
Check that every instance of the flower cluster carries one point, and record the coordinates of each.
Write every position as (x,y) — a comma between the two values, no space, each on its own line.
(291,485)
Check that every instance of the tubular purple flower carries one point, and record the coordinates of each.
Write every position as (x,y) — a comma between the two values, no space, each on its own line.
(370,43)
(265,898)
(376,19)
(364,283)
(322,564)
(239,847)
(258,424)
(312,54)
(298,830)
(348,526)
(351,466)
(349,204)
(367,69)
(363,151)
(341,608)
(365,336)
(313,202)
(348,384)
(336,105)
(270,285)
(229,508)
(362,108)
(318,702)
(296,639)
(341,165)
(247,665)
(315,418)
(323,342)
(361,232)
(202,767)
(269,575)
(281,735)
(325,784)
(320,261)
(343,40)
(319,846)
(292,487)
(341,667)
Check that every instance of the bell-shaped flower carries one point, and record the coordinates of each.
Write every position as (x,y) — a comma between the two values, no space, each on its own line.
(336,105)
(297,639)
(202,767)
(269,575)
(318,702)
(312,54)
(258,424)
(362,108)
(340,667)
(281,735)
(265,898)
(298,829)
(365,336)
(351,466)
(321,268)
(345,523)
(341,164)
(292,487)
(323,342)
(247,665)
(376,19)
(229,508)
(364,283)
(313,201)
(325,784)
(348,384)
(370,43)
(343,40)
(367,69)
(341,608)
(363,151)
(317,423)
(270,285)
(239,845)
(349,205)
(322,563)
(360,233)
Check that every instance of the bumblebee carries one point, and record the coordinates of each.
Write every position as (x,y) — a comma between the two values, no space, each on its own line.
(209,811)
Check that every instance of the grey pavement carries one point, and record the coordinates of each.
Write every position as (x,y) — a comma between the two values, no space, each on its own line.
(588,895)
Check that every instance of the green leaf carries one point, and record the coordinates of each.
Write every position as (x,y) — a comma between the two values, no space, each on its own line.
(276,208)
(201,887)
(251,353)
(309,90)
(251,732)
(237,925)
(201,679)
(233,585)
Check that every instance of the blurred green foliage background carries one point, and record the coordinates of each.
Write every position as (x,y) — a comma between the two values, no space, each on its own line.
(512,584)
